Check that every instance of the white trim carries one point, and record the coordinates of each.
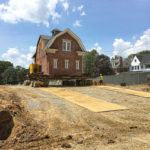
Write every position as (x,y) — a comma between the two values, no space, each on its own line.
(66,45)
(66,64)
(77,64)
(49,50)
(80,53)
(55,64)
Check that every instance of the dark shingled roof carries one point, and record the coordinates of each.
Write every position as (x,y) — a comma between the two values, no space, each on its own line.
(46,38)
(145,58)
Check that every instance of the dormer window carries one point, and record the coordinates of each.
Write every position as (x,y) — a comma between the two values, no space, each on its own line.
(66,45)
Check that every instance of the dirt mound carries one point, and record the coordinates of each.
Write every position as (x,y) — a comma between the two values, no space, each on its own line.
(18,130)
(6,124)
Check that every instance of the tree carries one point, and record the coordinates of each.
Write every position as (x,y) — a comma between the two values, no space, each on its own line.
(10,76)
(102,66)
(89,60)
(143,52)
(139,53)
(3,66)
(21,73)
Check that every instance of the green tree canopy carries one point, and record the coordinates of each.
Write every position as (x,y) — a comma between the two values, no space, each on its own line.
(143,52)
(102,66)
(3,66)
(139,53)
(89,60)
(10,74)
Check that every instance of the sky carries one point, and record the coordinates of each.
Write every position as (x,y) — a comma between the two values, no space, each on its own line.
(113,27)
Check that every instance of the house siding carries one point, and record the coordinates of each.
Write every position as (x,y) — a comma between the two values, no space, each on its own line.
(136,65)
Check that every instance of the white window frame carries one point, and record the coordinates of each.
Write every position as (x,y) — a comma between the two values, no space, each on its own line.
(66,64)
(55,63)
(77,64)
(65,45)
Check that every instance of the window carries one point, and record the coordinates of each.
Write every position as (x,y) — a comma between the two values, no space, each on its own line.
(77,64)
(66,64)
(66,45)
(40,50)
(55,63)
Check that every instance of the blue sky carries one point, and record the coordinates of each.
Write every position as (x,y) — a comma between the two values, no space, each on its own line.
(113,27)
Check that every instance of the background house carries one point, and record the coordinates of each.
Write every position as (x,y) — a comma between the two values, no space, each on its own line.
(117,63)
(60,54)
(140,63)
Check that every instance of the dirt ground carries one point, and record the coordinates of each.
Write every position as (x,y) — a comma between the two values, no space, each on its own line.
(45,121)
(138,87)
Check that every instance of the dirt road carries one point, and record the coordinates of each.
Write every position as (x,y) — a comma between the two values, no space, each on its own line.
(45,121)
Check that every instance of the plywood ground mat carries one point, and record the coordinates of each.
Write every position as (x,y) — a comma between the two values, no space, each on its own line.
(91,103)
(126,91)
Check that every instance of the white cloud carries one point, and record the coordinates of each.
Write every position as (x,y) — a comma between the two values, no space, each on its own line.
(125,48)
(97,47)
(77,23)
(65,5)
(35,11)
(120,46)
(13,55)
(80,7)
(83,13)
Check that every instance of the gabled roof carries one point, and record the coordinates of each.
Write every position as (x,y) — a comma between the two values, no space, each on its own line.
(145,58)
(51,41)
(46,38)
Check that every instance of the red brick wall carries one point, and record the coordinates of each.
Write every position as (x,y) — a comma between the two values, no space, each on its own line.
(43,60)
(47,60)
(61,55)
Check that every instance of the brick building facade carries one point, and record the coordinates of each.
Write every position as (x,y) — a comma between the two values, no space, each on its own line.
(60,54)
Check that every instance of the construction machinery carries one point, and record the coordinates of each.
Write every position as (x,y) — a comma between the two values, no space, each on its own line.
(36,78)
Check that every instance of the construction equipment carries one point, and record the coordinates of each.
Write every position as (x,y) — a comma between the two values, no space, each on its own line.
(36,78)
(34,68)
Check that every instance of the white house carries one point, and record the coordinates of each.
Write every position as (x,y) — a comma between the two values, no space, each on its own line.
(140,63)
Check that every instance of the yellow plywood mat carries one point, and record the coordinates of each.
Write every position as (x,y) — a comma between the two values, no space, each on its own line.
(91,103)
(126,91)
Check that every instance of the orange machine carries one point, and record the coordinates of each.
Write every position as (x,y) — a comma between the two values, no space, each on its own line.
(34,68)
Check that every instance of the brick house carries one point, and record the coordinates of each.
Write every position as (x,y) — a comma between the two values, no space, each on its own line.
(60,54)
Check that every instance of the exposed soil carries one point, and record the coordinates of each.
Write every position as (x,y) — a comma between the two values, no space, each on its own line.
(138,87)
(45,121)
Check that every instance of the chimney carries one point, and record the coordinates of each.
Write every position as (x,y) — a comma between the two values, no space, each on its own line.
(55,31)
